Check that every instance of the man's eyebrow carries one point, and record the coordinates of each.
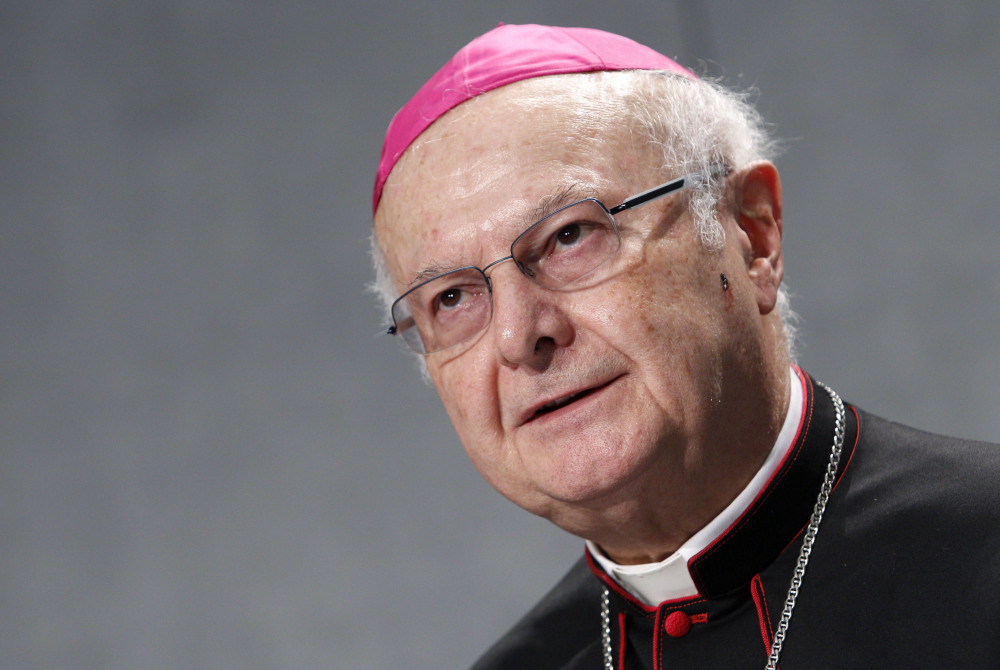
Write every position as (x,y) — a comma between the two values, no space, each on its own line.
(551,203)
(429,272)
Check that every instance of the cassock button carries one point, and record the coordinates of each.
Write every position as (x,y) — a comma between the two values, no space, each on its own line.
(677,624)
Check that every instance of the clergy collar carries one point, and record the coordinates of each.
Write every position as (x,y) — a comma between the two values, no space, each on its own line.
(756,526)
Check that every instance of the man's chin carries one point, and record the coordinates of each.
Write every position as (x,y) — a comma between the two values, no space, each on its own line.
(592,486)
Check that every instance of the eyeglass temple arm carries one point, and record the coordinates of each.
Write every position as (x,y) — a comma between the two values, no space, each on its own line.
(664,189)
(394,329)
(651,194)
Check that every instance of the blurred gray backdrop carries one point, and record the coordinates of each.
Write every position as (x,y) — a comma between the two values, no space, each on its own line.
(211,458)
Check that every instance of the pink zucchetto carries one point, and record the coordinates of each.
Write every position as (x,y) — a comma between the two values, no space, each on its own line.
(506,54)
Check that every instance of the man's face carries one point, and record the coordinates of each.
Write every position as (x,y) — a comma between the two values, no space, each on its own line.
(573,401)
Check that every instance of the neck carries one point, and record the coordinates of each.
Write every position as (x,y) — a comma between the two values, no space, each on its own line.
(650,522)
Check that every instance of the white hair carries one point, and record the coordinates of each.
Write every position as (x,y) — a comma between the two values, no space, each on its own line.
(697,125)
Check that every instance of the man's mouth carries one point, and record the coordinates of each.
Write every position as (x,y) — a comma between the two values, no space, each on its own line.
(530,414)
(561,402)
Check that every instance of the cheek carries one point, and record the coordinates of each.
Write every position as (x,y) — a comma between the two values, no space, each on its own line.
(645,306)
(469,397)
(670,317)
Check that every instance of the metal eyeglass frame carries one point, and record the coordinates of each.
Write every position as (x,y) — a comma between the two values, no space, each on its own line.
(672,186)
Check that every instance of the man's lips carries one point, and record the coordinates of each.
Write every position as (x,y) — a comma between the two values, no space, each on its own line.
(554,403)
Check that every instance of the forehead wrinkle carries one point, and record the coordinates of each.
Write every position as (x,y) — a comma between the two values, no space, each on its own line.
(454,177)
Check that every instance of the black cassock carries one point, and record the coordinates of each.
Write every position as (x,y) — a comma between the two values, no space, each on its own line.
(905,571)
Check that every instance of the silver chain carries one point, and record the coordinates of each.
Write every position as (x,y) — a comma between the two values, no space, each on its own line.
(811,532)
(606,631)
(800,568)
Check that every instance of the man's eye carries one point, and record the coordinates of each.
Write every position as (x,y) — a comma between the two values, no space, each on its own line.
(450,298)
(569,234)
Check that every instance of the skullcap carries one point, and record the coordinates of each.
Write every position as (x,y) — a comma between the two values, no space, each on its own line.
(504,55)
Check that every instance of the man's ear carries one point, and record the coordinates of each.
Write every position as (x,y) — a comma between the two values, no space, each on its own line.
(758,214)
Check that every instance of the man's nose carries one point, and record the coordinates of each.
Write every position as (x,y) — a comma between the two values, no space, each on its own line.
(529,323)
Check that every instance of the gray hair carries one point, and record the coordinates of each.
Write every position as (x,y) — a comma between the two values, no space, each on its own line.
(698,124)
(695,124)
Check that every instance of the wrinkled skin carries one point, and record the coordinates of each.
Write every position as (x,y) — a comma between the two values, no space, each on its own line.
(685,383)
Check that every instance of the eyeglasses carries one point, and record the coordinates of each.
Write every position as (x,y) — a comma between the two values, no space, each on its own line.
(555,252)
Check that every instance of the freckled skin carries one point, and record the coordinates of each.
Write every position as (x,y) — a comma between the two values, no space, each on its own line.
(692,380)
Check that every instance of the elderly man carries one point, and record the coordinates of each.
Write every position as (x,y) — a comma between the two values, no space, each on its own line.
(583,241)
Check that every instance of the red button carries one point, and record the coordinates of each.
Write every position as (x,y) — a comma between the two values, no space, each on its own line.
(677,624)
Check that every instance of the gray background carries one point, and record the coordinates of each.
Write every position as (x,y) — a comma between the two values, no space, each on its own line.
(210,458)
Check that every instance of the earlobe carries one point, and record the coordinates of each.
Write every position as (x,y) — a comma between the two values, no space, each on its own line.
(758,214)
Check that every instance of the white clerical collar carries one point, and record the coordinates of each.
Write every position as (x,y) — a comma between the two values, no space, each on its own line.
(654,583)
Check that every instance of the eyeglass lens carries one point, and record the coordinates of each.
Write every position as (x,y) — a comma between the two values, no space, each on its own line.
(562,248)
